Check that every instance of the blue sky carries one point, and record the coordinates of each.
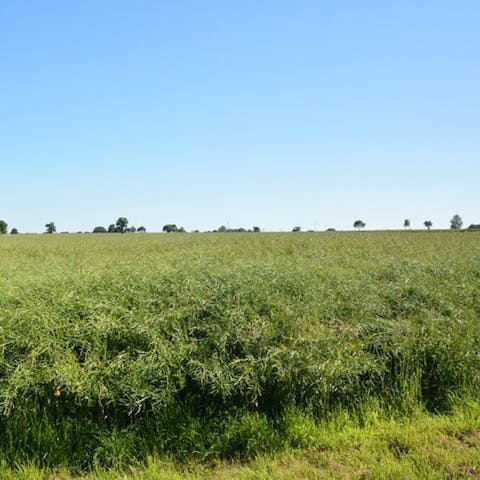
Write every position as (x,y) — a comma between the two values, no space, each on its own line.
(269,113)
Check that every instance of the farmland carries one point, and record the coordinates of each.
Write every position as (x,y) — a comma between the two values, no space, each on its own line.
(217,347)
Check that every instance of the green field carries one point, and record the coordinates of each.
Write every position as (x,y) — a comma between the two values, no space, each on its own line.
(212,348)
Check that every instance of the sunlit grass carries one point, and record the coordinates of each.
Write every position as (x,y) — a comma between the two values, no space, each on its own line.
(213,347)
(419,446)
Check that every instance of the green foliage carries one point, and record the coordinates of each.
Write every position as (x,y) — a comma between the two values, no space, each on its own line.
(3,227)
(428,224)
(224,229)
(358,224)
(170,228)
(99,230)
(121,225)
(373,444)
(113,348)
(50,227)
(14,231)
(456,222)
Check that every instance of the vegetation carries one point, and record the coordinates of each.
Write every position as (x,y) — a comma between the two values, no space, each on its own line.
(359,224)
(121,225)
(50,227)
(224,229)
(205,347)
(172,228)
(420,446)
(456,222)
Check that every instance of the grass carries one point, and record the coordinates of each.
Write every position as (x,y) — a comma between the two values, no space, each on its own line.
(421,445)
(216,348)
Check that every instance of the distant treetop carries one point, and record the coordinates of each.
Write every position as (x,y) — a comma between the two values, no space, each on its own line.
(121,225)
(50,227)
(456,222)
(3,226)
(358,224)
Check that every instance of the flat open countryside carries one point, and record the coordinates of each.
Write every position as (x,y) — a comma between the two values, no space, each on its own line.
(239,240)
(116,349)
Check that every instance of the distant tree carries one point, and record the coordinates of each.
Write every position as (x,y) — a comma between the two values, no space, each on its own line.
(112,228)
(428,223)
(14,231)
(3,226)
(181,230)
(474,226)
(141,229)
(50,227)
(406,223)
(330,229)
(121,225)
(358,224)
(99,230)
(296,229)
(170,228)
(222,229)
(456,222)
(132,229)
(256,229)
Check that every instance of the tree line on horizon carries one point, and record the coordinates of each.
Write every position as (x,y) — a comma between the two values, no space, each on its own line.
(121,226)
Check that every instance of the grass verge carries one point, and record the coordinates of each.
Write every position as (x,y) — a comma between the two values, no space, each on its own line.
(371,445)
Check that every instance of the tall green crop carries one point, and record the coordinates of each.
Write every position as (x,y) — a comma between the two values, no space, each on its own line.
(116,346)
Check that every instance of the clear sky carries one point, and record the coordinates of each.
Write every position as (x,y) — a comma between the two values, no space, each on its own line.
(271,113)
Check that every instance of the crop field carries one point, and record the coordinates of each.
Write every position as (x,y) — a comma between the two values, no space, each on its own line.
(222,347)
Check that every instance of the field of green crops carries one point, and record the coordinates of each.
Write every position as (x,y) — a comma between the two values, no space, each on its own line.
(213,347)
